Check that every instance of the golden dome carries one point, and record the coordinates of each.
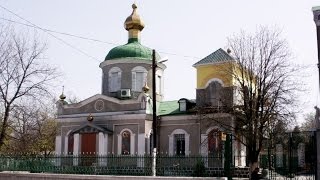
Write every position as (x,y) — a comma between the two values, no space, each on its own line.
(62,97)
(145,88)
(134,21)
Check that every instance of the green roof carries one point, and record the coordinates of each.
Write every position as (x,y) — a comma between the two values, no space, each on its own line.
(218,56)
(133,49)
(169,108)
(172,107)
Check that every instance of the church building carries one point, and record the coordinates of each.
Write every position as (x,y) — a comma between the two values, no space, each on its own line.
(119,120)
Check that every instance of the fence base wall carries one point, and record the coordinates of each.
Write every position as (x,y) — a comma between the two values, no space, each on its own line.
(38,176)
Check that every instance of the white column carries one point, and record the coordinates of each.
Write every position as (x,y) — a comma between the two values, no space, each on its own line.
(132,144)
(101,144)
(58,145)
(102,149)
(106,143)
(66,142)
(141,149)
(76,147)
(58,150)
(204,148)
(119,144)
(148,145)
(170,144)
(141,144)
(187,148)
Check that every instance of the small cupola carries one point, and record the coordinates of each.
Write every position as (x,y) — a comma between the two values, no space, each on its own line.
(134,22)
(133,49)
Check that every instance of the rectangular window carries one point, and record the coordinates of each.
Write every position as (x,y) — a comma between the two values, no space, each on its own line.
(179,141)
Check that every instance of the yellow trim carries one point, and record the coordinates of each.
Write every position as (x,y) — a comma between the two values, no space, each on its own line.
(222,71)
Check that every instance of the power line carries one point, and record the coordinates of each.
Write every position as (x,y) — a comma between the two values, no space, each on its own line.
(61,40)
(87,38)
(62,33)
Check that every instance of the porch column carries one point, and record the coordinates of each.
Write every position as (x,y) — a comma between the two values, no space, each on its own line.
(171,144)
(119,144)
(103,146)
(132,144)
(76,146)
(66,142)
(187,145)
(58,150)
(58,145)
(141,149)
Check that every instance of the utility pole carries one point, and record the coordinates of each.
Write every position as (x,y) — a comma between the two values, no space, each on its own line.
(316,18)
(154,113)
(316,13)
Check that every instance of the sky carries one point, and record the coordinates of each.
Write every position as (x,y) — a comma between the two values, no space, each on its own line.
(183,31)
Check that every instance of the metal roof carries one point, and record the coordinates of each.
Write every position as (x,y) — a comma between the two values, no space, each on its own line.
(218,56)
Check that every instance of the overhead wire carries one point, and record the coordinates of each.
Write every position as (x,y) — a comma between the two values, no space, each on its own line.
(77,36)
(61,40)
(58,32)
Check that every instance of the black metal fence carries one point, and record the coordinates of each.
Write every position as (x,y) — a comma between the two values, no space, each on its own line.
(291,155)
(135,165)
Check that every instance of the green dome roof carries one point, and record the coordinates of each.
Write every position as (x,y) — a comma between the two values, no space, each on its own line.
(133,49)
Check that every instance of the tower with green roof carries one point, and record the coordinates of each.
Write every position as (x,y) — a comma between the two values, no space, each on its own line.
(127,68)
(215,82)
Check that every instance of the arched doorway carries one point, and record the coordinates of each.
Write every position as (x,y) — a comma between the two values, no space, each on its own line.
(215,148)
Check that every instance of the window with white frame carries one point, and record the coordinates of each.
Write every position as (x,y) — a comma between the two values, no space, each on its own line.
(214,142)
(114,79)
(125,147)
(126,142)
(139,76)
(179,144)
(182,105)
(179,141)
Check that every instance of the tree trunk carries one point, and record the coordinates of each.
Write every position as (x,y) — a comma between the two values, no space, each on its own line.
(4,125)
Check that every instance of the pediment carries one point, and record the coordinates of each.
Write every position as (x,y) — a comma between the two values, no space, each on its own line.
(103,98)
(91,128)
(101,103)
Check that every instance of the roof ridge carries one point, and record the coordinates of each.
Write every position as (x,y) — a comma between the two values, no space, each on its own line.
(219,55)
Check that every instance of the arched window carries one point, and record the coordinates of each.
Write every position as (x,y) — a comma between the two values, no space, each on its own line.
(139,77)
(126,140)
(114,79)
(214,142)
(214,91)
(179,142)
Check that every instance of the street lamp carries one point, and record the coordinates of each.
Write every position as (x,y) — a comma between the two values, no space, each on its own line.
(154,110)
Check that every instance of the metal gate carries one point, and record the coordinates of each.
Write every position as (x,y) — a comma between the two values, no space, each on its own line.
(291,155)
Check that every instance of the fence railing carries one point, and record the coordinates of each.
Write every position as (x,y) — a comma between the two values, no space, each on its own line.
(135,165)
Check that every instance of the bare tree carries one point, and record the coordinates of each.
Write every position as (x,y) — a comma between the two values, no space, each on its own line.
(32,129)
(23,74)
(309,122)
(264,81)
